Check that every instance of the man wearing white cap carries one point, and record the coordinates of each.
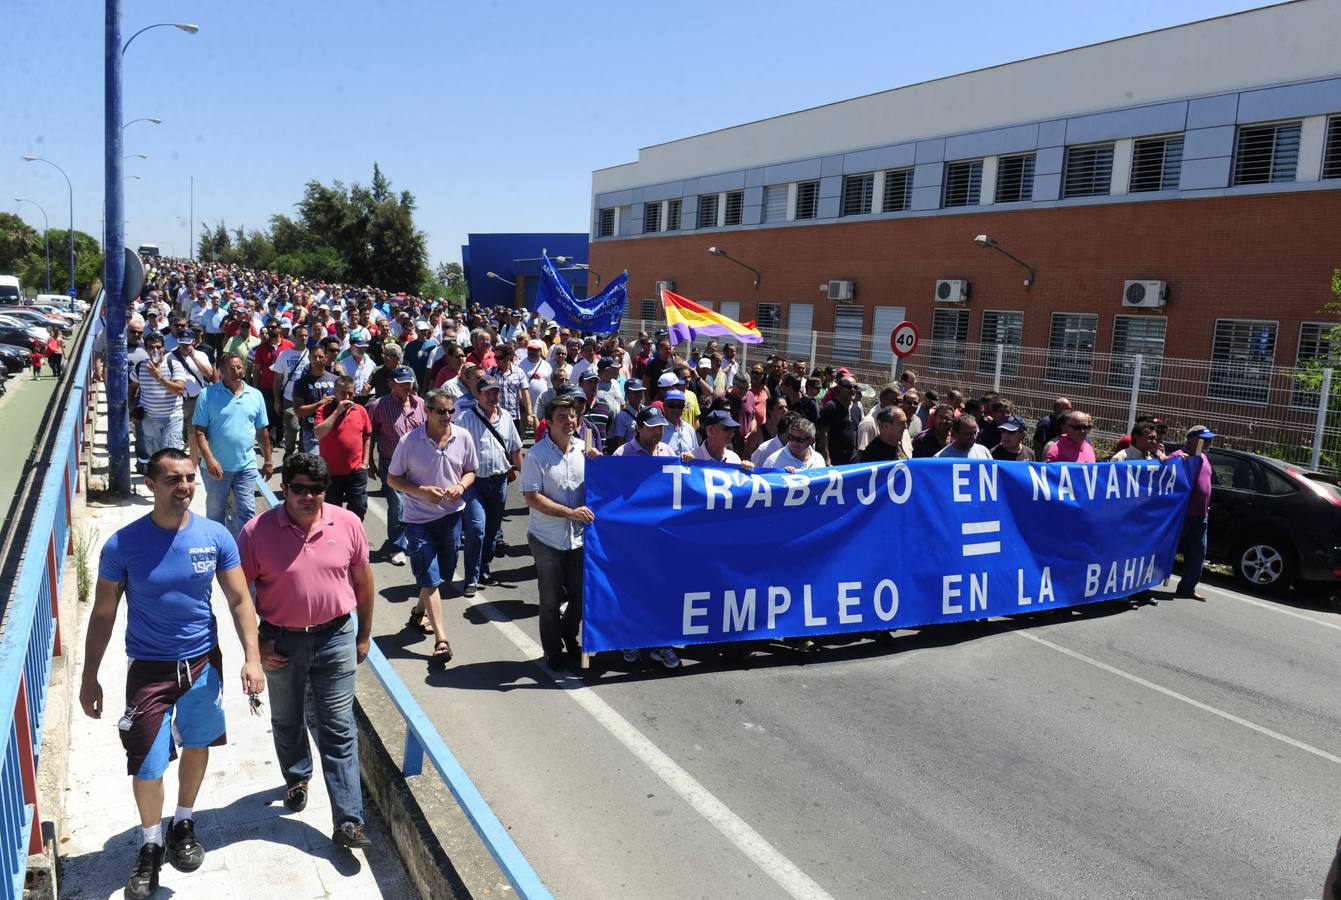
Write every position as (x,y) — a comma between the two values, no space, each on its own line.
(537,371)
(359,366)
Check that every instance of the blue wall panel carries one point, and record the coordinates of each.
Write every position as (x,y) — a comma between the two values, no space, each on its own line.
(1047,186)
(895,157)
(931,151)
(1205,143)
(751,215)
(754,178)
(831,165)
(498,253)
(1296,100)
(928,175)
(1126,123)
(730,181)
(831,186)
(1052,134)
(1048,161)
(926,197)
(1207,112)
(1199,174)
(992,143)
(803,170)
(828,208)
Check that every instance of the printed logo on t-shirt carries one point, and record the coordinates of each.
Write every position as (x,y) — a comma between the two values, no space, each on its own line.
(203,559)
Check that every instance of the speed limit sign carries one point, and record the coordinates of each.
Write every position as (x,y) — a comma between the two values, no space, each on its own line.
(903,340)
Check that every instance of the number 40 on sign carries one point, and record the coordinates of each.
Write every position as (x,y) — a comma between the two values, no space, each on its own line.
(903,339)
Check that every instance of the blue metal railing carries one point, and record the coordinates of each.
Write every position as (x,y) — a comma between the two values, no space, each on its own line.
(422,739)
(31,633)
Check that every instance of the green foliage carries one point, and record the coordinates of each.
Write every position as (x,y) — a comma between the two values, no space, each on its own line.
(23,253)
(448,280)
(364,235)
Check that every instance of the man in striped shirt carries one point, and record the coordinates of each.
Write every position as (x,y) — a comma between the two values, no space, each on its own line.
(498,452)
(161,383)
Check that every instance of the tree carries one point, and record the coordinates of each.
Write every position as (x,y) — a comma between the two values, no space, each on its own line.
(22,251)
(88,261)
(448,280)
(215,243)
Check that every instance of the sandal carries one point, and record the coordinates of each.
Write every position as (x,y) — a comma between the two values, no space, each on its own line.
(419,620)
(441,657)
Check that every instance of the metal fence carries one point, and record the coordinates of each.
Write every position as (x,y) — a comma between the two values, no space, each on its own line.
(1280,411)
(30,634)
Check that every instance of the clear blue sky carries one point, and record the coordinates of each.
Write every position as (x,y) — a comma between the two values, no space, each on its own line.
(493,114)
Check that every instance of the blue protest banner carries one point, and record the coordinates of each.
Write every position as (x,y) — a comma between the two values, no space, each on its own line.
(703,553)
(555,301)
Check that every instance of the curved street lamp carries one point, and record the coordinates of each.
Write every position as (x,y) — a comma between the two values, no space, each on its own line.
(151,119)
(184,26)
(136,156)
(71,187)
(983,240)
(718,251)
(46,234)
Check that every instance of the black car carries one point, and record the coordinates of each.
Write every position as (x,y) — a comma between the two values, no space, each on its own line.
(18,334)
(14,359)
(1275,523)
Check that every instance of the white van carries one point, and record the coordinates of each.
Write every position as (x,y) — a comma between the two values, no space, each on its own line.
(61,301)
(11,290)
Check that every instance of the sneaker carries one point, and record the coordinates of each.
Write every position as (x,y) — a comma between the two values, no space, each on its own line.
(487,578)
(399,558)
(295,798)
(183,850)
(557,661)
(633,656)
(350,835)
(143,881)
(471,590)
(666,656)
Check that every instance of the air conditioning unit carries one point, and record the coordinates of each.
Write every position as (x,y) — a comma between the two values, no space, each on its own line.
(665,286)
(1145,294)
(840,290)
(952,290)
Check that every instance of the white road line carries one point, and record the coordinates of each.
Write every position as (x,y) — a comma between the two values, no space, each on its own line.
(735,829)
(1205,707)
(1270,606)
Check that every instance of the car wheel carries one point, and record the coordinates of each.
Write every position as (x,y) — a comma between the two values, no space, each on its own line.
(1265,564)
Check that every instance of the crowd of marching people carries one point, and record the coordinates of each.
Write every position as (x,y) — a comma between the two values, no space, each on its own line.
(236,375)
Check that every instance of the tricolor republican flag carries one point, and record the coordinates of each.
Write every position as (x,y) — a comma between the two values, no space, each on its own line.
(688,320)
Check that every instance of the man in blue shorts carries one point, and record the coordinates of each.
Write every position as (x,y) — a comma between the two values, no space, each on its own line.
(168,561)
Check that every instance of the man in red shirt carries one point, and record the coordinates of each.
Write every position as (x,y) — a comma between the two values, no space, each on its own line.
(344,440)
(271,347)
(481,350)
(309,563)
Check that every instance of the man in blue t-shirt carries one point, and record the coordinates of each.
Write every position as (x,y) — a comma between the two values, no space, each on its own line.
(168,561)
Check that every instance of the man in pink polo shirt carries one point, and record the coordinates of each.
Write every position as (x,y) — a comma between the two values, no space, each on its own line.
(1074,444)
(309,563)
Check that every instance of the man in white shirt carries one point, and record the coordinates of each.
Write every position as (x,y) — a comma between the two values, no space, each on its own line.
(964,441)
(718,430)
(799,451)
(537,371)
(289,366)
(359,366)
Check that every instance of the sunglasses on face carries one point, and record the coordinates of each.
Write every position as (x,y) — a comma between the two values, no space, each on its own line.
(442,411)
(305,489)
(799,439)
(675,406)
(1080,427)
(137,332)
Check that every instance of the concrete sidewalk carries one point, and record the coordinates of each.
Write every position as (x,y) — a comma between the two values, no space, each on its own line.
(254,847)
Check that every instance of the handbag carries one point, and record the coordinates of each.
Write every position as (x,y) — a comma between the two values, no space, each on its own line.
(512,470)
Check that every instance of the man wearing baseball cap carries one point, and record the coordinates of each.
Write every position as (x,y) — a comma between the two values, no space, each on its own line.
(1192,542)
(498,449)
(680,434)
(537,371)
(718,429)
(650,424)
(622,430)
(1011,448)
(394,416)
(359,366)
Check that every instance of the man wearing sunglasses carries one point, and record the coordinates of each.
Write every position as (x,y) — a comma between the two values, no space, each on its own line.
(433,467)
(308,561)
(798,452)
(680,436)
(1074,444)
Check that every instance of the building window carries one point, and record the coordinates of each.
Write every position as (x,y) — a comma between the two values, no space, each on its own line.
(1003,329)
(735,205)
(672,215)
(1319,348)
(857,191)
(1015,178)
(1071,348)
(807,199)
(649,313)
(775,203)
(799,319)
(707,210)
(1242,354)
(605,224)
(949,339)
(651,217)
(898,190)
(1266,153)
(1089,171)
(963,183)
(1331,156)
(1134,335)
(1156,164)
(849,323)
(768,319)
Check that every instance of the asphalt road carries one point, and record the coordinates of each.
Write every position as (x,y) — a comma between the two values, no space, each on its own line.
(1183,750)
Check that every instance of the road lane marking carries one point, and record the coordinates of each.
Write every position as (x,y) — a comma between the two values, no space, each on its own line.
(736,830)
(1271,606)
(1168,692)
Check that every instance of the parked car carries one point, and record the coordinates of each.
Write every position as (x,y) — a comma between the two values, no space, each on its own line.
(1274,523)
(27,331)
(37,317)
(54,312)
(14,359)
(61,302)
(11,290)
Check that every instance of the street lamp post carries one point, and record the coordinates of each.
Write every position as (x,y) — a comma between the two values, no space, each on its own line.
(154,119)
(71,187)
(46,235)
(718,251)
(118,420)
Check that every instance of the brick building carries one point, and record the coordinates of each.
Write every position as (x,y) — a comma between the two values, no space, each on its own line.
(1201,160)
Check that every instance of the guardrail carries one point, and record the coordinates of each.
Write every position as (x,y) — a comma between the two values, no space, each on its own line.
(30,634)
(422,739)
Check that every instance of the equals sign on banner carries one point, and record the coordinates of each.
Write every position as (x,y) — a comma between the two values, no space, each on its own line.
(981,548)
